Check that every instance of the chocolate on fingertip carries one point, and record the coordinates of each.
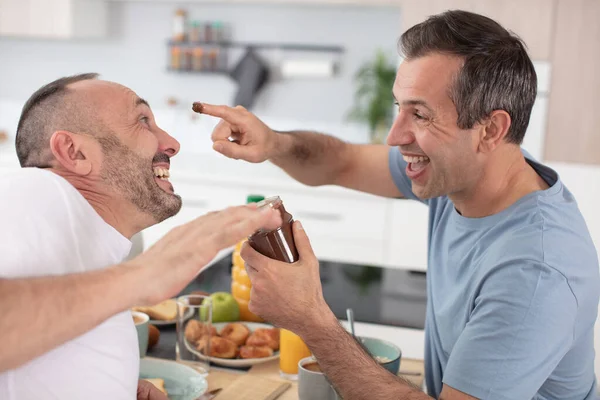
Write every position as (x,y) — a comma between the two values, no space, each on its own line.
(197,107)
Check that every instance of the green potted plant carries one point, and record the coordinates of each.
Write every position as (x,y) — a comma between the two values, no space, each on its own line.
(373,99)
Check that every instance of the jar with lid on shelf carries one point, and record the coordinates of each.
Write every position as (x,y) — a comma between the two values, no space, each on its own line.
(197,59)
(179,25)
(175,58)
(187,60)
(195,34)
(208,32)
(218,31)
(213,59)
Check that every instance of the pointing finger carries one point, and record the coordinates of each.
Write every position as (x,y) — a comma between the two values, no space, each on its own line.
(229,114)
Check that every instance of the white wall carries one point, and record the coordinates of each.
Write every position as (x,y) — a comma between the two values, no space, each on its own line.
(135,54)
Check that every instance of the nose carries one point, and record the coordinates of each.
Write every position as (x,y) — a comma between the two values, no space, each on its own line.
(401,132)
(167,144)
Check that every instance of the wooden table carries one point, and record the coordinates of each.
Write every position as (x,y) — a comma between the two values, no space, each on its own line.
(412,370)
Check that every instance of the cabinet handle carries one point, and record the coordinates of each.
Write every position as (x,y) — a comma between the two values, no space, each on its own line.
(318,216)
(195,203)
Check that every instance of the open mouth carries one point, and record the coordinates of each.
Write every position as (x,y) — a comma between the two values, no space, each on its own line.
(416,165)
(161,173)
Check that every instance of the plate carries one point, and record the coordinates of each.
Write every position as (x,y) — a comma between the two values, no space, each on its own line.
(238,362)
(182,382)
(158,322)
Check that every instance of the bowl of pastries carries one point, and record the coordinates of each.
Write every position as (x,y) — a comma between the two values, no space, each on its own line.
(234,344)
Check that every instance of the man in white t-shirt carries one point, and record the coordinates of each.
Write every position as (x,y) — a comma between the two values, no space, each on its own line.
(96,172)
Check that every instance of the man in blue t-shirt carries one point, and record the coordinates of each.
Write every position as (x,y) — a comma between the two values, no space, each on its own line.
(513,277)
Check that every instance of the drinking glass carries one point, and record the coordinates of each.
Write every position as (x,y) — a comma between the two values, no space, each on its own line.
(292,349)
(194,316)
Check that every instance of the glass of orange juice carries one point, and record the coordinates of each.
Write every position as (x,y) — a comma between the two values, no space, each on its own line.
(292,349)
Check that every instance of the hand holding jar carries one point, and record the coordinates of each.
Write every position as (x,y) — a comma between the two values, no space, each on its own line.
(286,285)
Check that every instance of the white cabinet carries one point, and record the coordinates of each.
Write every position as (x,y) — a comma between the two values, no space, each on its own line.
(61,19)
(14,17)
(407,227)
(341,228)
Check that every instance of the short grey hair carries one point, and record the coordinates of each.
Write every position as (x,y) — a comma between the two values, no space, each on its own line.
(49,109)
(497,73)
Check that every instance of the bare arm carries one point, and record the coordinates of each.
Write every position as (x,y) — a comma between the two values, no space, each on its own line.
(353,373)
(40,314)
(317,159)
(311,158)
(357,375)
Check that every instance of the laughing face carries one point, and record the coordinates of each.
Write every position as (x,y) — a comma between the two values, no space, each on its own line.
(442,158)
(135,152)
(142,180)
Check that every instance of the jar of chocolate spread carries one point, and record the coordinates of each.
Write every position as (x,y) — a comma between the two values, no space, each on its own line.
(278,243)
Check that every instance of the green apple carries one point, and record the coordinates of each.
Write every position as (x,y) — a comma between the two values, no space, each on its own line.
(225,307)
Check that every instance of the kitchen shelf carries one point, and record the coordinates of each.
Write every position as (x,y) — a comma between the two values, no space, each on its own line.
(202,71)
(268,46)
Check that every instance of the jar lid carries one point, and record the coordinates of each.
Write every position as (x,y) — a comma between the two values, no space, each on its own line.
(254,198)
(273,202)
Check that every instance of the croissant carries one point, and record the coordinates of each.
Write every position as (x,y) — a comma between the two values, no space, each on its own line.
(255,352)
(195,329)
(272,332)
(261,338)
(219,347)
(236,332)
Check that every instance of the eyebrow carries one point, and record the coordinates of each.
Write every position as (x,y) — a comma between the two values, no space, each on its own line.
(414,102)
(140,101)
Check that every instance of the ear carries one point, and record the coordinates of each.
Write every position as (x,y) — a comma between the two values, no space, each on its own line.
(494,130)
(69,151)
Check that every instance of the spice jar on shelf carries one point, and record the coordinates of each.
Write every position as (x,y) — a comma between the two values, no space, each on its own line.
(179,25)
(208,32)
(213,57)
(217,30)
(195,35)
(197,63)
(187,60)
(175,58)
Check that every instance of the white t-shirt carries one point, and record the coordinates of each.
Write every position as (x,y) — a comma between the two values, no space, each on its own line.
(49,228)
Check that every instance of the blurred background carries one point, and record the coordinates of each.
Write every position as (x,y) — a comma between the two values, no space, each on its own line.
(324,65)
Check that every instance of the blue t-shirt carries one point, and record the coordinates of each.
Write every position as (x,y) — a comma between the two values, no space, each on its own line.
(512,298)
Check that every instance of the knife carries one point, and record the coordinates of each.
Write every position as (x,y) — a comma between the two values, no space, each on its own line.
(210,395)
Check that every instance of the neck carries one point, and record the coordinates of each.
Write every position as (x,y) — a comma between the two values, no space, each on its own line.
(506,178)
(114,211)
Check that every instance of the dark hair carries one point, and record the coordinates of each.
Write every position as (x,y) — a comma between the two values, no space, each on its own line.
(46,111)
(497,73)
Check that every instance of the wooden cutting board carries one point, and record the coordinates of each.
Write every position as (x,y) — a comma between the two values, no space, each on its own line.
(252,387)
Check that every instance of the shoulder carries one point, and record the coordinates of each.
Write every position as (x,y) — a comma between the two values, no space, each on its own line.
(33,185)
(37,220)
(524,288)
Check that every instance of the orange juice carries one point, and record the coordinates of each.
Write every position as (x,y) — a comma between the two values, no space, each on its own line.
(291,350)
